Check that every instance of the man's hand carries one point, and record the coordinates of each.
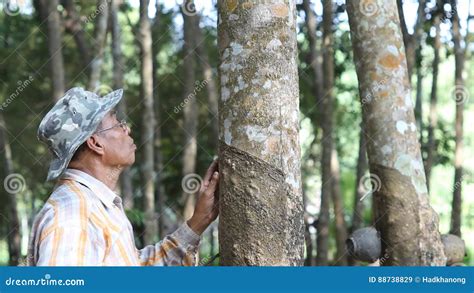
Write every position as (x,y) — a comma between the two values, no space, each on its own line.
(207,206)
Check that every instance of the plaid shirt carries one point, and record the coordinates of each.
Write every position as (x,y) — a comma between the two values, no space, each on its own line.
(83,224)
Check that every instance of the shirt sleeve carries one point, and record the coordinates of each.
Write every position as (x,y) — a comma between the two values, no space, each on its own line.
(177,249)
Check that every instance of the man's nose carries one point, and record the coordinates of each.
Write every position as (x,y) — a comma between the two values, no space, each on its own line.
(128,129)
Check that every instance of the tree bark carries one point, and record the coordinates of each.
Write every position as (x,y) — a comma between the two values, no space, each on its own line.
(98,44)
(13,221)
(148,122)
(261,205)
(460,98)
(327,140)
(55,48)
(433,116)
(408,224)
(190,110)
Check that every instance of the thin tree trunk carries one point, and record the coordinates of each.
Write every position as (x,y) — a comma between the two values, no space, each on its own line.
(408,224)
(261,204)
(190,109)
(360,188)
(160,196)
(460,98)
(419,98)
(309,260)
(118,72)
(74,25)
(327,140)
(315,59)
(13,223)
(338,204)
(148,122)
(100,35)
(412,41)
(55,48)
(210,84)
(433,116)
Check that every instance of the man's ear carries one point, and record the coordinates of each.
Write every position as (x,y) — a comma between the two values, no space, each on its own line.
(95,145)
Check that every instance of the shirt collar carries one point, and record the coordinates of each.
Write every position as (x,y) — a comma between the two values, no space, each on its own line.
(102,191)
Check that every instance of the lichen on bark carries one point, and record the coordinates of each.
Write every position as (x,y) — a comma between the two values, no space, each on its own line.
(393,148)
(258,115)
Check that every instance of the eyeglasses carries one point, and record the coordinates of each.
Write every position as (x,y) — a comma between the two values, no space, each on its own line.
(122,124)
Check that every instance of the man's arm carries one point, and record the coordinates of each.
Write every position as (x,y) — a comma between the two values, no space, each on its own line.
(181,247)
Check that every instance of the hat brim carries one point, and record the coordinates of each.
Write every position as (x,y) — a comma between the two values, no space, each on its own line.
(59,165)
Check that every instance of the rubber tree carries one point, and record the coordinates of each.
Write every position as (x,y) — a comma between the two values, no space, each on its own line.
(147,141)
(404,217)
(261,203)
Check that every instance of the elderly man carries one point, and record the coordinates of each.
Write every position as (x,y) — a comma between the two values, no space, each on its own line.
(83,223)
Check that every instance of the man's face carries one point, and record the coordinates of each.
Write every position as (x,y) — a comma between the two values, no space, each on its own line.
(118,145)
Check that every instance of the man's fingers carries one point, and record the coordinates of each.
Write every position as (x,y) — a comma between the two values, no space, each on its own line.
(212,168)
(212,185)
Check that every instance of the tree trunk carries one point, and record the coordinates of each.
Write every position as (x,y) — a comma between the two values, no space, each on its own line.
(327,140)
(338,204)
(419,98)
(408,224)
(190,108)
(73,24)
(261,205)
(412,41)
(55,48)
(315,59)
(13,221)
(160,196)
(461,97)
(100,35)
(118,68)
(433,116)
(309,260)
(210,84)
(360,187)
(148,122)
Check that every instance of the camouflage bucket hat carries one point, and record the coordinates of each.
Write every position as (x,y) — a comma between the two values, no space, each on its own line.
(72,120)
